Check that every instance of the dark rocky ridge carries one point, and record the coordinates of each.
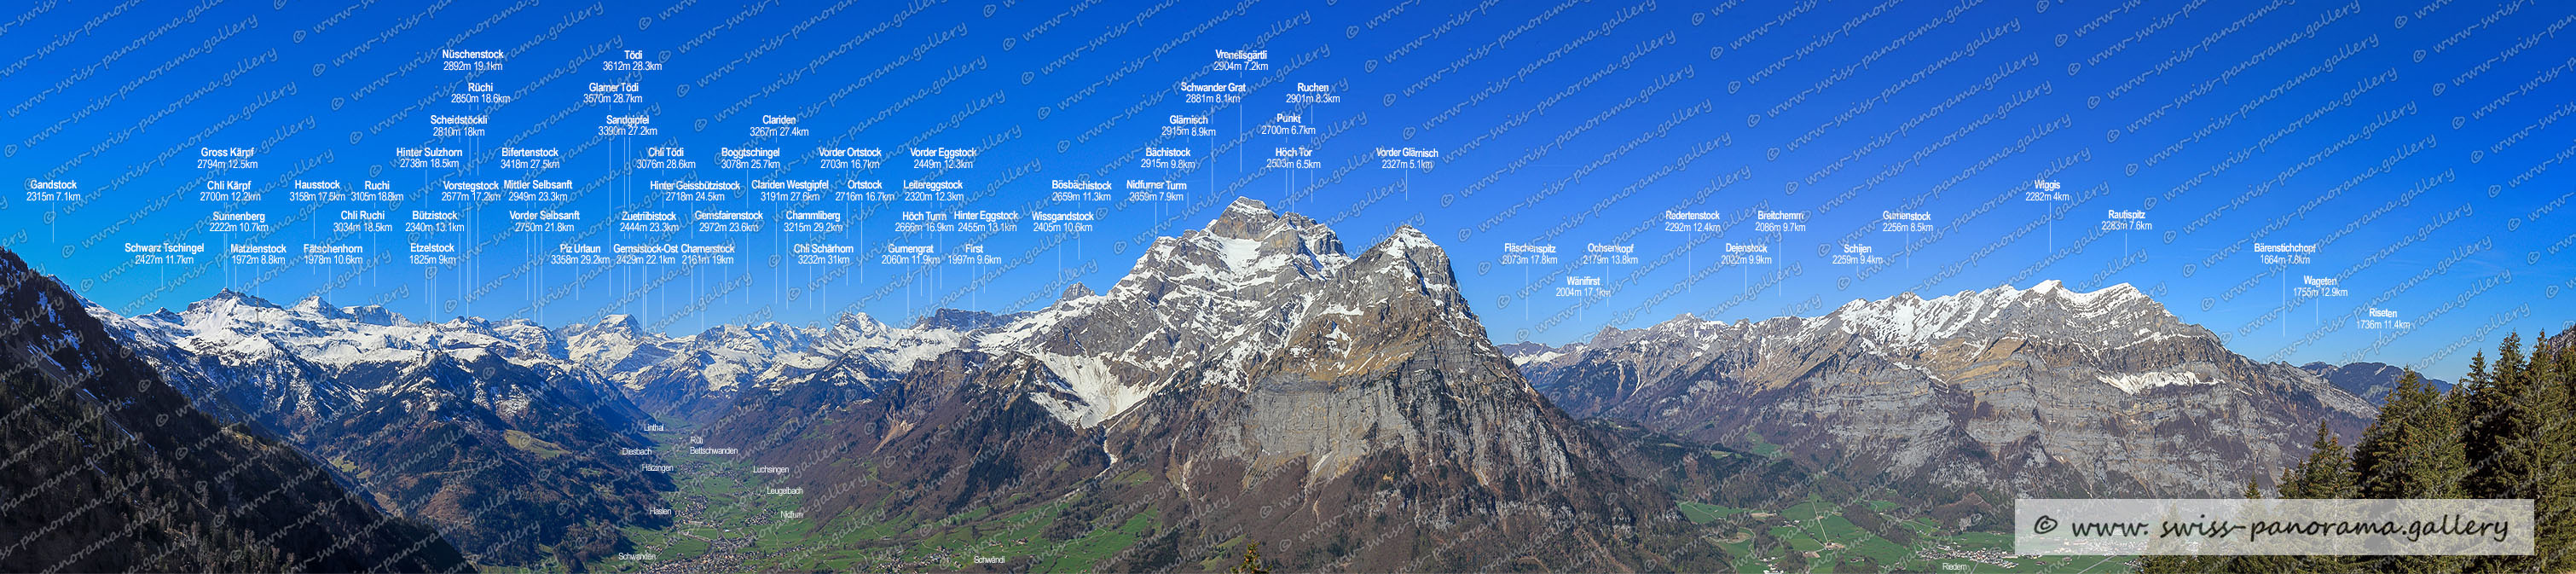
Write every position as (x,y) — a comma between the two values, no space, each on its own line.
(112,469)
(471,426)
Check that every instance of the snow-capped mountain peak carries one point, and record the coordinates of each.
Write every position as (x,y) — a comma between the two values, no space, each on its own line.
(1408,238)
(1249,243)
(314,305)
(1912,382)
(228,299)
(860,324)
(374,315)
(620,322)
(1214,302)
(1075,291)
(2111,316)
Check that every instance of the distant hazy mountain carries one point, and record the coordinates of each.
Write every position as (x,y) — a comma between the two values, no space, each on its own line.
(2039,391)
(960,320)
(1526,352)
(111,469)
(697,377)
(2370,381)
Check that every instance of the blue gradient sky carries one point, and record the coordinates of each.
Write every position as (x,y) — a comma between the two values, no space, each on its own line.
(2418,146)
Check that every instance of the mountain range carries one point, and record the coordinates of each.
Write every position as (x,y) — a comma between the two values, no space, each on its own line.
(478,428)
(2369,380)
(2044,391)
(110,468)
(1253,381)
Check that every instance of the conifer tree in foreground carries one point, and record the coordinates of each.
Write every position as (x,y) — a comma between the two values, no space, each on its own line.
(2507,430)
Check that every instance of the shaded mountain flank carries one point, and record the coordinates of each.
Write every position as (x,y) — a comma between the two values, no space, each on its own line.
(111,469)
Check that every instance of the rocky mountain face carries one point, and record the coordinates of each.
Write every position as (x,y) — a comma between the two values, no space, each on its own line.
(474,427)
(1246,380)
(1250,379)
(2044,391)
(1253,381)
(2370,381)
(110,468)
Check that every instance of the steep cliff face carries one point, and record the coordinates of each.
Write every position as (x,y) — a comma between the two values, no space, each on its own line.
(1386,394)
(2039,391)
(1209,301)
(1249,379)
(112,469)
(1335,357)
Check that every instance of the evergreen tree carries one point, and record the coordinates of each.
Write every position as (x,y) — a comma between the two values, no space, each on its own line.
(2492,435)
(2500,441)
(1251,561)
(2477,371)
(2412,451)
(2327,473)
(2395,458)
(2452,463)
(2553,447)
(2507,430)
(2378,458)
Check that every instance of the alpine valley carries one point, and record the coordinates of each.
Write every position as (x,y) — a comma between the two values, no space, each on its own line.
(1252,382)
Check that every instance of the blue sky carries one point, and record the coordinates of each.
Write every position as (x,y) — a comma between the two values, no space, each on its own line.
(2416,147)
